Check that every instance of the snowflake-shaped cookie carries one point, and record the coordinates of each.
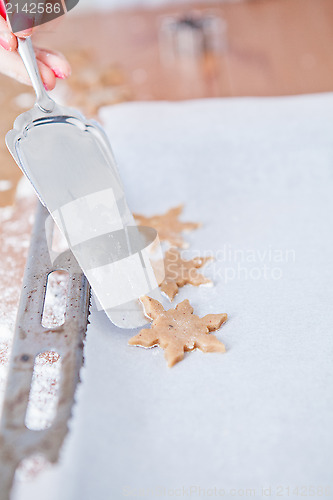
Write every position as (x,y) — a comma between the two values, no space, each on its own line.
(168,226)
(178,330)
(179,272)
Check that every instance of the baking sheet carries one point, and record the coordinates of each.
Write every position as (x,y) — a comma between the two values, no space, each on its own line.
(258,173)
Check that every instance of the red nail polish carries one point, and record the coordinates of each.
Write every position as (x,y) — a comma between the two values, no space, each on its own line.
(45,86)
(3,12)
(59,74)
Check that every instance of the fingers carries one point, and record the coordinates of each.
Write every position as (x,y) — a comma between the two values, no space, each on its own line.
(47,75)
(55,61)
(12,66)
(24,34)
(7,40)
(51,64)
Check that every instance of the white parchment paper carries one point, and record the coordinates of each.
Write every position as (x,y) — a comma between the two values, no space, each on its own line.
(258,173)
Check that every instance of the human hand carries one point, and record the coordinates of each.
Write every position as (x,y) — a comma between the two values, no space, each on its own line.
(52,65)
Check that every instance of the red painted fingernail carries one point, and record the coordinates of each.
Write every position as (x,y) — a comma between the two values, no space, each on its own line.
(59,74)
(3,10)
(5,44)
(45,86)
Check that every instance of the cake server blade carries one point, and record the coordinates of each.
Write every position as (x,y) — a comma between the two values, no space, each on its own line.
(69,161)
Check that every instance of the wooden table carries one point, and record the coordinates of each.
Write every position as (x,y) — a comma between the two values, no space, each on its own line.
(275,47)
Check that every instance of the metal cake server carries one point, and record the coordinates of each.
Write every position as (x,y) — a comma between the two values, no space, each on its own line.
(70,164)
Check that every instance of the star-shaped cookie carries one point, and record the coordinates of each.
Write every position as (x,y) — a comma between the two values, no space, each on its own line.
(178,330)
(179,272)
(168,226)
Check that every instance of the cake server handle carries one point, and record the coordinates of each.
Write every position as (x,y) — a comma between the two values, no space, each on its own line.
(27,53)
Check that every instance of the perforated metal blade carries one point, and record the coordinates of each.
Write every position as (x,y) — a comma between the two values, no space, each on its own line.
(70,164)
(17,442)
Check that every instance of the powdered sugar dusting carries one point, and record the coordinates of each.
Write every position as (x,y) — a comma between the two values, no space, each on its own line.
(15,230)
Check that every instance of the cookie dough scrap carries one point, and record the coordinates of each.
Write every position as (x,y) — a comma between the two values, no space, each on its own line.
(178,330)
(180,272)
(168,226)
